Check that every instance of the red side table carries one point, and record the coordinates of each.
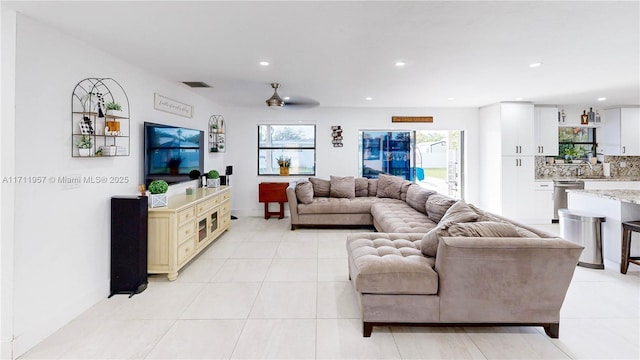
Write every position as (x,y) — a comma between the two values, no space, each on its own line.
(269,192)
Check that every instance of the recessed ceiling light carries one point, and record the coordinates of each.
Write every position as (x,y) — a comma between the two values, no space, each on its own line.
(286,98)
(535,64)
(368,98)
(602,99)
(264,63)
(450,99)
(400,63)
(518,99)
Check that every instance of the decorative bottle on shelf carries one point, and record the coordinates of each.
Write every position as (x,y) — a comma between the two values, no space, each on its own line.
(584,118)
(598,118)
(591,116)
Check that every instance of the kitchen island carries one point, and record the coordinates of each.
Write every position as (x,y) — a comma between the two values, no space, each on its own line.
(617,206)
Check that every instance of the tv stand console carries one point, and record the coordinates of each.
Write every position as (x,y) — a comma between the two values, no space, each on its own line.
(180,231)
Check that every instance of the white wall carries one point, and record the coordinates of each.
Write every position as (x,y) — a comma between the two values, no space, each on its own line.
(60,235)
(242,140)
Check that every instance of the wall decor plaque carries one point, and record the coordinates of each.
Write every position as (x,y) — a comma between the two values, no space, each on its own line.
(163,103)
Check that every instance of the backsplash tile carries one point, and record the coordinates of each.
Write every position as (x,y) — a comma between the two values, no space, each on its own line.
(632,168)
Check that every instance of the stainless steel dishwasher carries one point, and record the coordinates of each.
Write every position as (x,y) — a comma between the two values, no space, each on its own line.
(560,188)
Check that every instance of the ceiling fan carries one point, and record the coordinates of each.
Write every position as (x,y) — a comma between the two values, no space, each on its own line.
(276,102)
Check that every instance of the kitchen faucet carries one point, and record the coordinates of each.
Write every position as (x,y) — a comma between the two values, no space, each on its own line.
(579,170)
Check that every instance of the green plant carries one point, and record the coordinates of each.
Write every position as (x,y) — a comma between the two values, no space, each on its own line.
(213,174)
(284,161)
(85,142)
(113,106)
(158,187)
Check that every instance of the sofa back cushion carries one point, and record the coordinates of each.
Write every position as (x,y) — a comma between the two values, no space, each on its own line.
(404,188)
(362,187)
(460,212)
(321,187)
(483,229)
(373,187)
(389,186)
(304,192)
(342,187)
(437,205)
(417,197)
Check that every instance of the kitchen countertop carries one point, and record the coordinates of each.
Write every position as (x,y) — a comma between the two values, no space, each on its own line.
(590,178)
(628,196)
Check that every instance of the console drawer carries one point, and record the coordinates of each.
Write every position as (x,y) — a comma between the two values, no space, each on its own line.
(186,215)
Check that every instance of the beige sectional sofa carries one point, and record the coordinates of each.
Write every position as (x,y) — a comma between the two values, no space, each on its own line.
(436,260)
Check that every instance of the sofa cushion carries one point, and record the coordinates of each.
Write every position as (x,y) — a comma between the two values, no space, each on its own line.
(380,265)
(304,192)
(460,212)
(396,216)
(487,216)
(479,229)
(417,197)
(389,186)
(437,205)
(321,187)
(373,187)
(483,229)
(329,205)
(362,186)
(404,188)
(342,187)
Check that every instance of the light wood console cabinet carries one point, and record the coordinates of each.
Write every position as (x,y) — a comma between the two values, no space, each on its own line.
(181,230)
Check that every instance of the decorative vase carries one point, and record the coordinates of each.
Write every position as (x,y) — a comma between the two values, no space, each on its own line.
(284,171)
(158,200)
(213,182)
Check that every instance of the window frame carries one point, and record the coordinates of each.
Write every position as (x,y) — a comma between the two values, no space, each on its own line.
(287,148)
(593,143)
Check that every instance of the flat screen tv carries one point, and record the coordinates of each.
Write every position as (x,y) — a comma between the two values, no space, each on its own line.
(171,153)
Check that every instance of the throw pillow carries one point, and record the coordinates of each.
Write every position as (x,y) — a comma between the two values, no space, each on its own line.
(389,186)
(362,187)
(437,205)
(404,188)
(460,212)
(304,192)
(373,187)
(343,187)
(484,229)
(430,240)
(417,197)
(321,187)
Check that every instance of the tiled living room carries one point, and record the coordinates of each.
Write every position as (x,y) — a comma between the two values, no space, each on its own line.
(448,75)
(263,291)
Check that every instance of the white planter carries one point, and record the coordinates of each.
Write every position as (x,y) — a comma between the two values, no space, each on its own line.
(213,182)
(84,152)
(157,200)
(114,112)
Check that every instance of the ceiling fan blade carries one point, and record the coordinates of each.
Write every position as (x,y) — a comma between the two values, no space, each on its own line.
(301,102)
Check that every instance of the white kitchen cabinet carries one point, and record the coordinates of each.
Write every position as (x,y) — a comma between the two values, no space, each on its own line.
(516,121)
(518,188)
(621,131)
(546,130)
(543,202)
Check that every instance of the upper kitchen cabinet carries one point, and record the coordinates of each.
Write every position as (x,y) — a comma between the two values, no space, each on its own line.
(621,131)
(516,121)
(546,130)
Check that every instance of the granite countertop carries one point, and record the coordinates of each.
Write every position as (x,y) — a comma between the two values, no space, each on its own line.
(628,196)
(590,178)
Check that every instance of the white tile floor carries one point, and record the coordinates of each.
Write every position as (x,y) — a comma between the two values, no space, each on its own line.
(263,291)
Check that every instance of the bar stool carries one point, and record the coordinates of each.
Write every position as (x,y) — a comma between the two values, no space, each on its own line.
(627,228)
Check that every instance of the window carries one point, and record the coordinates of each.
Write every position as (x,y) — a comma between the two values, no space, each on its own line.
(576,142)
(296,142)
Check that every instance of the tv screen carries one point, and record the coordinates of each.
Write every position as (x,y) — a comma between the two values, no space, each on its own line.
(171,152)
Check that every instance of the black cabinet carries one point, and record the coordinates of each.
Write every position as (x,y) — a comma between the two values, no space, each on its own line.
(128,244)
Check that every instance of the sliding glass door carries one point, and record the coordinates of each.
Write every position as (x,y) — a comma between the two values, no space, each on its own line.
(431,158)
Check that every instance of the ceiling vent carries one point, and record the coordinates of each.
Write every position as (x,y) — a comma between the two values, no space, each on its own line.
(196,84)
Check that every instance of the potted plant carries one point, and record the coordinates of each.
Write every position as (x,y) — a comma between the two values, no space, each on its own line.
(158,190)
(84,145)
(213,178)
(112,107)
(285,163)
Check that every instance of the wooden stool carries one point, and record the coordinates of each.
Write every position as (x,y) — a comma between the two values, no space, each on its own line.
(627,228)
